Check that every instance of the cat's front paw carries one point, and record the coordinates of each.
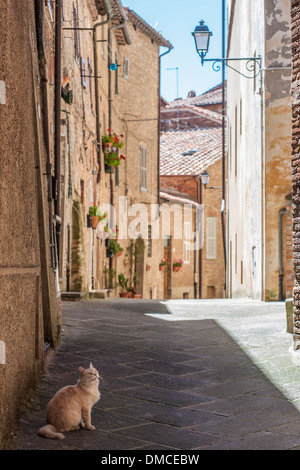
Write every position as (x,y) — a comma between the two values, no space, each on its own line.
(91,427)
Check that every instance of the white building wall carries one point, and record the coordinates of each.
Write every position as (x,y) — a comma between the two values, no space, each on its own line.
(245,155)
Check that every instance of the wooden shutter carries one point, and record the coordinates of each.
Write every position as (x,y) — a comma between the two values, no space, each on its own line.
(143,168)
(211,238)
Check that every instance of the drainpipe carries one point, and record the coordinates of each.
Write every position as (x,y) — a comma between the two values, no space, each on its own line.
(39,8)
(57,152)
(159,124)
(122,25)
(280,216)
(109,13)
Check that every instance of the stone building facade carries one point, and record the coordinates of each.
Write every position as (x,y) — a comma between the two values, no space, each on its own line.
(191,143)
(111,65)
(259,142)
(30,319)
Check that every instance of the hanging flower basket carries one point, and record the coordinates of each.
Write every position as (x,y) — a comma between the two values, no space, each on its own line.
(95,221)
(177,265)
(107,146)
(109,169)
(163,263)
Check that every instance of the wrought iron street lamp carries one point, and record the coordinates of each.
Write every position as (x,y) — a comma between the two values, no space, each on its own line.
(202,36)
(204,178)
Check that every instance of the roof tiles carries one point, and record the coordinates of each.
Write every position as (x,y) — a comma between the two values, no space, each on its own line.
(175,146)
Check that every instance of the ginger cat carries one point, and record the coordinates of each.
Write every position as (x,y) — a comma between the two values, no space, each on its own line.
(70,408)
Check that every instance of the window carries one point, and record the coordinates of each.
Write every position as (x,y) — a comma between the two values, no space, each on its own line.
(50,6)
(211,238)
(143,168)
(235,141)
(82,191)
(116,76)
(149,241)
(186,242)
(90,80)
(241,116)
(83,72)
(126,68)
(76,33)
(117,176)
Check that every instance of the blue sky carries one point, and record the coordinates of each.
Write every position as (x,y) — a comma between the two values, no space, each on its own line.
(175,20)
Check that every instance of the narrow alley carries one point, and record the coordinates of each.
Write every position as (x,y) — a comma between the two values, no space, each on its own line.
(176,375)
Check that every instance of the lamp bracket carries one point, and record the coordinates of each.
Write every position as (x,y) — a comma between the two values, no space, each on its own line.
(250,65)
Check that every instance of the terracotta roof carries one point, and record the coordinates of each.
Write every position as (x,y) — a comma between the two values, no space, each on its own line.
(213,96)
(174,198)
(194,110)
(141,24)
(189,152)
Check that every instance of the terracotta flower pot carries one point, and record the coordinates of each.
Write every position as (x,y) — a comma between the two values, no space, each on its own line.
(109,169)
(148,267)
(176,268)
(95,221)
(107,146)
(161,268)
(125,295)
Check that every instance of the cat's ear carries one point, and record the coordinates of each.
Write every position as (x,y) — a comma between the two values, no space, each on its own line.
(81,370)
(91,366)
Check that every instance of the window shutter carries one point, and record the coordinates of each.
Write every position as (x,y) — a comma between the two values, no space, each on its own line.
(143,168)
(211,238)
(126,68)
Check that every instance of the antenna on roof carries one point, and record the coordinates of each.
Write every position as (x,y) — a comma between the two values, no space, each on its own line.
(177,69)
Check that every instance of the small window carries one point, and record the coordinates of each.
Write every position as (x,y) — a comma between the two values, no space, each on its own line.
(117,176)
(116,76)
(143,168)
(90,80)
(149,241)
(82,191)
(211,238)
(126,68)
(186,242)
(50,6)
(83,72)
(76,33)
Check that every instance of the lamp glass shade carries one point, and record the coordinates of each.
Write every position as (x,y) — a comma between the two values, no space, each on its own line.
(205,178)
(202,37)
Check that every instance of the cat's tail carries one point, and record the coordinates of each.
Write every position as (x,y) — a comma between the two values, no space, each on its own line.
(50,432)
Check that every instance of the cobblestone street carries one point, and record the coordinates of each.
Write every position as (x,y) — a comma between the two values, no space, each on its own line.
(181,375)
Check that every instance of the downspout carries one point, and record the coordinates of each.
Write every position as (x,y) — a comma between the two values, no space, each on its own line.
(159,124)
(57,152)
(122,25)
(280,216)
(39,8)
(109,13)
(223,146)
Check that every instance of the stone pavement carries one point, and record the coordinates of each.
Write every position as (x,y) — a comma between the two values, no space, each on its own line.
(176,375)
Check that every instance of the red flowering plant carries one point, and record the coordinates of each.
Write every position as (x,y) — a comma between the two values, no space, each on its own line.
(164,262)
(95,211)
(112,157)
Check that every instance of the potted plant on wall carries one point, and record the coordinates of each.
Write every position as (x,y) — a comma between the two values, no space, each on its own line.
(111,145)
(123,283)
(96,215)
(177,265)
(163,263)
